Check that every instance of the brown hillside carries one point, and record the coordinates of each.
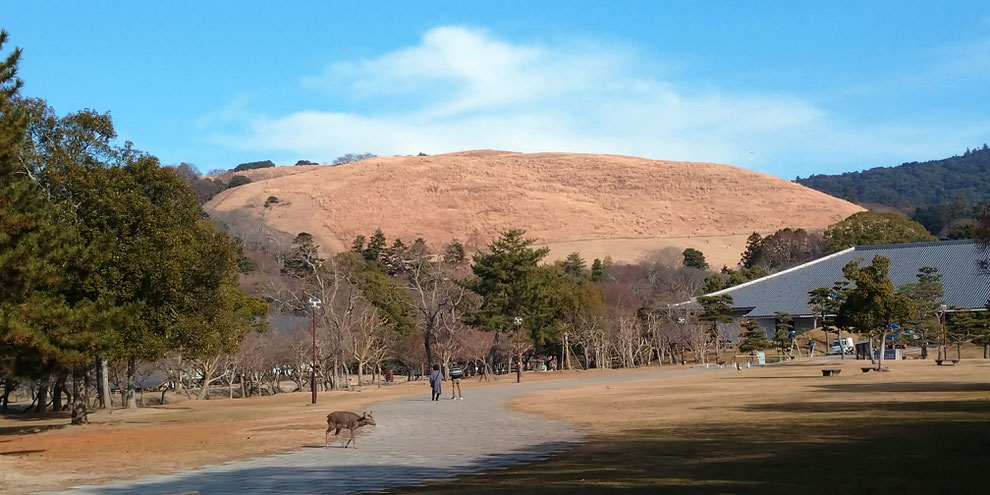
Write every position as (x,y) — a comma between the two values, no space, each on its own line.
(595,204)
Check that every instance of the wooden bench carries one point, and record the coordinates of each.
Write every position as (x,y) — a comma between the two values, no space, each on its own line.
(831,371)
(946,362)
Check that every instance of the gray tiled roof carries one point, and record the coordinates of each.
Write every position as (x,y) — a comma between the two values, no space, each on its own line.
(966,286)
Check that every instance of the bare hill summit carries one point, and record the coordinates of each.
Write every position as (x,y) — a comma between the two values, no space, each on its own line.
(596,204)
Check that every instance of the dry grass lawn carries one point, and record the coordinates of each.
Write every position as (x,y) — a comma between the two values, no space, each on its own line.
(45,453)
(785,429)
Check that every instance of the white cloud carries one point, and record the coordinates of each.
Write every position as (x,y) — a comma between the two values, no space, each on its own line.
(464,89)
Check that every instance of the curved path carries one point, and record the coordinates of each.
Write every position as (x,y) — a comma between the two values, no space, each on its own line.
(415,440)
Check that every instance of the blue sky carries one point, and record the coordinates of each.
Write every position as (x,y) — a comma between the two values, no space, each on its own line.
(788,88)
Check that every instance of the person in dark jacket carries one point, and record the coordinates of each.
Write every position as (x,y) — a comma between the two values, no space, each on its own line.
(436,377)
(456,373)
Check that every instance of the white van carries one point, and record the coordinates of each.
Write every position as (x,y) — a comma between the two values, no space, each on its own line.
(846,345)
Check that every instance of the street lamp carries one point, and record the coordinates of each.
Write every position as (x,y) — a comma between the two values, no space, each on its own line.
(518,321)
(314,304)
(943,347)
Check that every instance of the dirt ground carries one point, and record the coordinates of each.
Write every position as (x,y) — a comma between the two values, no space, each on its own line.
(47,453)
(918,428)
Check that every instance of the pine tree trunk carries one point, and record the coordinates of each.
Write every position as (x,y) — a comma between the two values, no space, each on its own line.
(43,393)
(986,351)
(57,391)
(8,387)
(129,399)
(959,352)
(79,415)
(106,398)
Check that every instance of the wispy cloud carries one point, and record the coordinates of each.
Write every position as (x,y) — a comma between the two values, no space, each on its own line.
(462,88)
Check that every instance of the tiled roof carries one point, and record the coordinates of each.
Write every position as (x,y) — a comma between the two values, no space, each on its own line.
(966,285)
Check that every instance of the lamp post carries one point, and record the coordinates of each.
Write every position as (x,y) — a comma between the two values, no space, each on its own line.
(518,321)
(943,346)
(314,304)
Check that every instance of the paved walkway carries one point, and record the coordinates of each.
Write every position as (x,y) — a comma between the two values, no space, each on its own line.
(415,440)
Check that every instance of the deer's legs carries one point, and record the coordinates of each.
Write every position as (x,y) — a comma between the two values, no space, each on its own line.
(336,435)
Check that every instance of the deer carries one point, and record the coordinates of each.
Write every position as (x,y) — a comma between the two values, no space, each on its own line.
(339,420)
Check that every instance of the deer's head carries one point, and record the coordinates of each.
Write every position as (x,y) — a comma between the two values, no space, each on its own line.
(367,419)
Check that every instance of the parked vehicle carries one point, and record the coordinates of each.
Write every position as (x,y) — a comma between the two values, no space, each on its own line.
(843,346)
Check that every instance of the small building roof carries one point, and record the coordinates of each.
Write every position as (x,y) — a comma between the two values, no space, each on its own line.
(966,285)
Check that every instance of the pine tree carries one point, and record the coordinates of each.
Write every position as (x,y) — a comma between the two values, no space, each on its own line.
(695,259)
(872,306)
(754,338)
(44,319)
(376,248)
(574,265)
(517,294)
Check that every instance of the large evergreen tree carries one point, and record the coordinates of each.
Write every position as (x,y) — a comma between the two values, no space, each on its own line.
(516,293)
(872,306)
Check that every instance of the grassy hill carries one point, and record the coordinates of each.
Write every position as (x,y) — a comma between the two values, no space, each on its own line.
(596,204)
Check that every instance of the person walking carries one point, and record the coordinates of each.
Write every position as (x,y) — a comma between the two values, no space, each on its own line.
(456,373)
(436,377)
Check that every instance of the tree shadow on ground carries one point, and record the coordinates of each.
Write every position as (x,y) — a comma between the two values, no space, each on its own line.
(332,475)
(20,452)
(907,387)
(26,429)
(944,453)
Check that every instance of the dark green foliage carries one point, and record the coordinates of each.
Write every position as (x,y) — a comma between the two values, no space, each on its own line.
(782,249)
(238,180)
(358,245)
(254,165)
(512,284)
(306,162)
(716,309)
(454,253)
(731,278)
(871,228)
(914,185)
(872,306)
(352,157)
(970,326)
(926,294)
(303,259)
(44,321)
(376,249)
(695,259)
(754,338)
(597,270)
(574,265)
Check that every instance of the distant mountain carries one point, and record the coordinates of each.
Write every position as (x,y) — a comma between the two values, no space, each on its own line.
(935,193)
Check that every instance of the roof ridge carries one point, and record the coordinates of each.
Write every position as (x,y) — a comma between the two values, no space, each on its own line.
(902,245)
(782,272)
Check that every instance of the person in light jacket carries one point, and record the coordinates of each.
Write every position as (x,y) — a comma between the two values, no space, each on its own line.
(436,378)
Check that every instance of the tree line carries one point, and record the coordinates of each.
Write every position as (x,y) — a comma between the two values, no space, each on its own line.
(105,257)
(943,195)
